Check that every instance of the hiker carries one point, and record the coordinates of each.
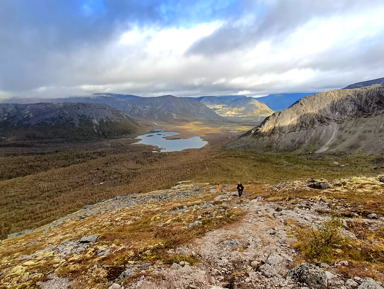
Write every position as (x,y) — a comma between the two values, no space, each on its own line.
(240,189)
(218,187)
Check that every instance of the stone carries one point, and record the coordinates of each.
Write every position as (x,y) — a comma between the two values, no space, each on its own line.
(114,286)
(309,274)
(350,283)
(320,185)
(55,282)
(89,239)
(267,270)
(256,264)
(329,275)
(324,265)
(195,224)
(369,284)
(234,243)
(311,180)
(176,266)
(372,216)
(271,232)
(343,263)
(358,279)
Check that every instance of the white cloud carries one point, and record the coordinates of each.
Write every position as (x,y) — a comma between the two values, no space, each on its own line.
(312,48)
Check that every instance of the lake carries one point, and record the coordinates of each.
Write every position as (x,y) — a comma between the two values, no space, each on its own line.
(158,138)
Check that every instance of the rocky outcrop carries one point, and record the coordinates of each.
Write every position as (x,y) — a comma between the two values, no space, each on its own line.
(339,120)
(310,275)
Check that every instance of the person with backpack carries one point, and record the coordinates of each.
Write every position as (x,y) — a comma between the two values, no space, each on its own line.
(240,189)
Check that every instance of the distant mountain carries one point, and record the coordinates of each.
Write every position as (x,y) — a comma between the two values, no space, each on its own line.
(282,101)
(62,121)
(365,83)
(166,108)
(235,106)
(345,120)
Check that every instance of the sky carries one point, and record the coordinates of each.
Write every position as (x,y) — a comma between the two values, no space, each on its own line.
(58,48)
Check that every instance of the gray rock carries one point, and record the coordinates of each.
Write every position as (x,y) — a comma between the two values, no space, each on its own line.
(309,274)
(271,232)
(319,185)
(324,265)
(55,282)
(311,180)
(195,224)
(372,216)
(234,243)
(343,263)
(115,286)
(89,239)
(350,283)
(330,275)
(358,279)
(176,266)
(369,284)
(267,270)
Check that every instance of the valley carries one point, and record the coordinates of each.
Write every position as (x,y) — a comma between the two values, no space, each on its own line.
(90,207)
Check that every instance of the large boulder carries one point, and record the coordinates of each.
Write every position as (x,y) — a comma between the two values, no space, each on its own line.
(310,275)
(370,284)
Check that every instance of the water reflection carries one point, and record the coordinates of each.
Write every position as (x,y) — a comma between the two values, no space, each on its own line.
(158,138)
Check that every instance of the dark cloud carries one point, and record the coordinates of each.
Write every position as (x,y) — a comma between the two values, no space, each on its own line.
(34,33)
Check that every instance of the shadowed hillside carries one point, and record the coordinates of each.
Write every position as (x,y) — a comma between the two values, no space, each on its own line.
(62,121)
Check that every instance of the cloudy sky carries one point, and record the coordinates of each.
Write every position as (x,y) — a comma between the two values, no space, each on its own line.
(55,48)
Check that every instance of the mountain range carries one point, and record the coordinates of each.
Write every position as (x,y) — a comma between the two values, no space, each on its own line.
(166,108)
(239,106)
(365,83)
(282,101)
(344,120)
(63,121)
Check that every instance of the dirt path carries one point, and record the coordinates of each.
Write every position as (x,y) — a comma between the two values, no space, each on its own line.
(254,253)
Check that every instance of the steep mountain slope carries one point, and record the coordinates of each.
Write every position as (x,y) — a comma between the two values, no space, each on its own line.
(163,108)
(70,121)
(346,120)
(235,105)
(282,101)
(365,83)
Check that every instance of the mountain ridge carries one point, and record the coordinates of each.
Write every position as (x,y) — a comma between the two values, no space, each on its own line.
(63,121)
(333,121)
(235,106)
(365,83)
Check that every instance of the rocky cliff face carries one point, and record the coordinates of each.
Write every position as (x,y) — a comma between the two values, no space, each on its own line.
(335,121)
(62,121)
